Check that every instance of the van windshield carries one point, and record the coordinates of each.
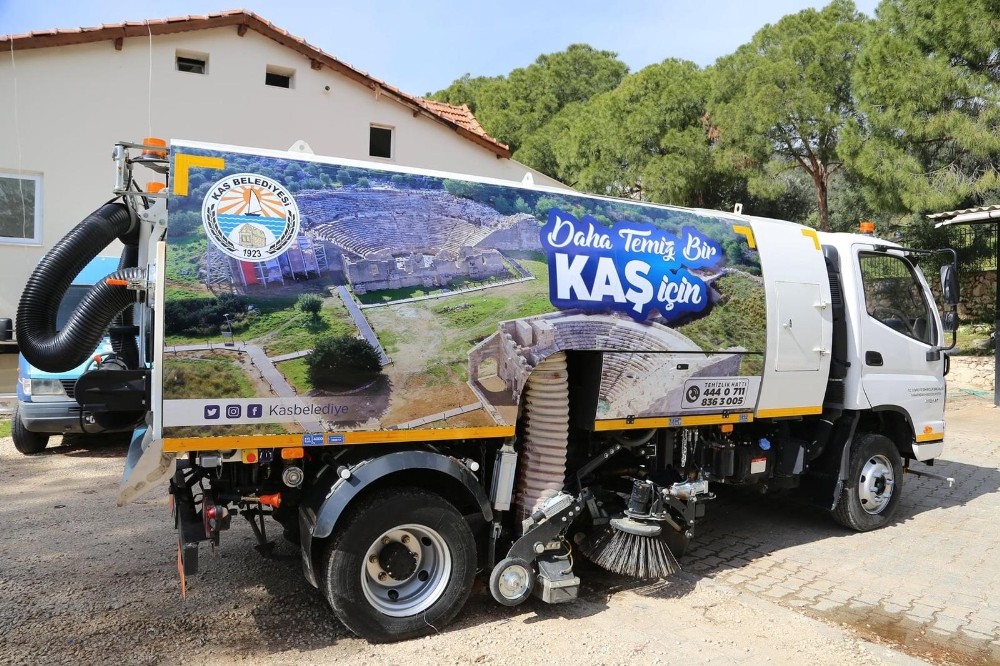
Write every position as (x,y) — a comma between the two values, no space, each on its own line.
(69,303)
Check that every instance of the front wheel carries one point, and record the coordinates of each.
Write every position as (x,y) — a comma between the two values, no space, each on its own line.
(873,486)
(25,441)
(401,566)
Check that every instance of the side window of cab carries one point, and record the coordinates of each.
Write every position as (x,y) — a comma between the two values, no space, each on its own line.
(895,298)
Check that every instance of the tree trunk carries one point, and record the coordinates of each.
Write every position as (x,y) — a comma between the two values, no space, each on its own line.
(820,180)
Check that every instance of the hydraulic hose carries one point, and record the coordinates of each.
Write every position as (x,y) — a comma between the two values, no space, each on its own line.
(37,338)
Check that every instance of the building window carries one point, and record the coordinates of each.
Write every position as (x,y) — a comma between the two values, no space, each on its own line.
(380,142)
(20,208)
(194,63)
(279,77)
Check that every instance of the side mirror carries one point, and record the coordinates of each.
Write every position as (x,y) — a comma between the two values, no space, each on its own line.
(949,285)
(949,322)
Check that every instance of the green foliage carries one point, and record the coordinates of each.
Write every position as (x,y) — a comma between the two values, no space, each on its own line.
(5,427)
(465,90)
(511,108)
(296,373)
(927,85)
(205,378)
(202,317)
(185,255)
(739,319)
(644,139)
(341,360)
(311,304)
(781,101)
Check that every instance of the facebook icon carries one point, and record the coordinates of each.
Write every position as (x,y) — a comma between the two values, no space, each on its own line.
(255,411)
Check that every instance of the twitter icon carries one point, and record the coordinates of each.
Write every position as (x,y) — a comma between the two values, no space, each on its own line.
(211,411)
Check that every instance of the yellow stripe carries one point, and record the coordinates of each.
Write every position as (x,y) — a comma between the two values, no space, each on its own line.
(181,444)
(811,233)
(748,232)
(183,163)
(672,421)
(930,437)
(788,411)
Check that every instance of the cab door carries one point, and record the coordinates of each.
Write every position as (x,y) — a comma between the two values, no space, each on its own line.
(900,330)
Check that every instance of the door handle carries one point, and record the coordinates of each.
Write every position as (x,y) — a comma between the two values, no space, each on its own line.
(873,358)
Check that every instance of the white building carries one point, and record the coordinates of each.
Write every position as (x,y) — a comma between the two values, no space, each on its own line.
(233,77)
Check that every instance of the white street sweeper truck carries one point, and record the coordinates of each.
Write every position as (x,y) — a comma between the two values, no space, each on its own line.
(421,375)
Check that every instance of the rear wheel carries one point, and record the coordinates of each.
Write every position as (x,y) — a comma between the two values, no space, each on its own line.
(874,482)
(401,566)
(25,441)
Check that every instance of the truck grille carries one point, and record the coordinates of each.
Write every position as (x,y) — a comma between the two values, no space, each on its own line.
(69,385)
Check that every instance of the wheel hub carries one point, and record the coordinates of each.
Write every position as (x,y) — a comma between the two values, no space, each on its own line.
(398,561)
(875,487)
(406,570)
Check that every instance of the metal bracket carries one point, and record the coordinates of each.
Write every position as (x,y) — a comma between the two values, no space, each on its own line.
(946,479)
(547,529)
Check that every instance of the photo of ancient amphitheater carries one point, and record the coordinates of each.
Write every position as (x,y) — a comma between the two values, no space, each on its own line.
(448,281)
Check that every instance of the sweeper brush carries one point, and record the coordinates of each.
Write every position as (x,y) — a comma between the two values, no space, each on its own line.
(631,548)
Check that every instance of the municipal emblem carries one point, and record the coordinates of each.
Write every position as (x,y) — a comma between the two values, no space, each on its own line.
(250,217)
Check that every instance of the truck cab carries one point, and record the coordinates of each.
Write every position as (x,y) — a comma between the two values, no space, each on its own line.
(45,400)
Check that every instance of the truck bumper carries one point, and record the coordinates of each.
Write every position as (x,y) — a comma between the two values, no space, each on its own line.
(928,450)
(62,417)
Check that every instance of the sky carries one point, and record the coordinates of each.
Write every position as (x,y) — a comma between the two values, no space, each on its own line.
(421,46)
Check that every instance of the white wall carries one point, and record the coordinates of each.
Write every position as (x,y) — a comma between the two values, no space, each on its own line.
(74,102)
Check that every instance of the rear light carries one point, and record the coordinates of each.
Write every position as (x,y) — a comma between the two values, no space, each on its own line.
(293,453)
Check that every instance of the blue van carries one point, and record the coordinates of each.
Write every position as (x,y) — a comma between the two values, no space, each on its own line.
(45,400)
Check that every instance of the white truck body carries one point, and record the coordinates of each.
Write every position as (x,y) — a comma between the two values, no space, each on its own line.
(496,369)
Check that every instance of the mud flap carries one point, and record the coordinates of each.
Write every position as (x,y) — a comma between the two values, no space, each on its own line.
(146,466)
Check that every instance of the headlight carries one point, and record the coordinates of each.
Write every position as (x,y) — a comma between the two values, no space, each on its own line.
(39,387)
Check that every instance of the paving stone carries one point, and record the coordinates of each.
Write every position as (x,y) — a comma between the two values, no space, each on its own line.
(935,570)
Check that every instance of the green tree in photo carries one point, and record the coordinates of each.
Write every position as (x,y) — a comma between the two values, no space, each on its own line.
(782,101)
(311,304)
(341,360)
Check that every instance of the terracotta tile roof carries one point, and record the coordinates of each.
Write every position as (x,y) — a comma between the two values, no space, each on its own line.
(460,115)
(459,119)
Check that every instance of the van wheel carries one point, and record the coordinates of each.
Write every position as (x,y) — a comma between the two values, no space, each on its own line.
(873,486)
(401,566)
(25,441)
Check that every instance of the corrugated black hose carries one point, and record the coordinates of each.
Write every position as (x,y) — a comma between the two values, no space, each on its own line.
(123,337)
(37,338)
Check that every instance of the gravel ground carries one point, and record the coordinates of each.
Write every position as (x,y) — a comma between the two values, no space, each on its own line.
(83,581)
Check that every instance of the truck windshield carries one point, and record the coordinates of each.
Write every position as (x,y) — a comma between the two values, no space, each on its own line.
(70,302)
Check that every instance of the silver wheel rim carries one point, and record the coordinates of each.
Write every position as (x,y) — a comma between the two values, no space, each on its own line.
(876,484)
(513,582)
(406,570)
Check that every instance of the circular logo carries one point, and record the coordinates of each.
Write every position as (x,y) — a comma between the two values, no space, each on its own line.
(692,393)
(250,217)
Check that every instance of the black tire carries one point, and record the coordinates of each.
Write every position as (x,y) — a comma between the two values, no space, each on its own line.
(498,588)
(25,441)
(448,552)
(873,486)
